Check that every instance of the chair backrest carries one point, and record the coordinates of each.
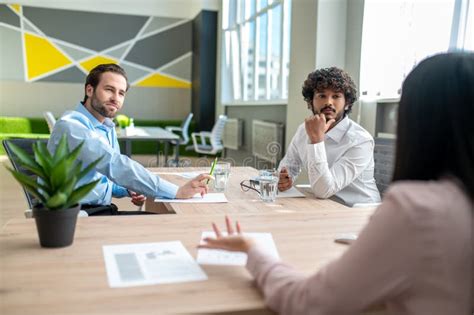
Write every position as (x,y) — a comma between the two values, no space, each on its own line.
(27,146)
(50,120)
(218,130)
(384,160)
(185,128)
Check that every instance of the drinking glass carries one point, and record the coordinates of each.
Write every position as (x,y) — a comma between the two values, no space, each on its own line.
(268,182)
(221,176)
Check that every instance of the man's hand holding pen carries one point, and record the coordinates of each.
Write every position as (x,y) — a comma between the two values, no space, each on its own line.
(284,182)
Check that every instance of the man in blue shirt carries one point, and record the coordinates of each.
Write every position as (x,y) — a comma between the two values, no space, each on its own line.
(120,176)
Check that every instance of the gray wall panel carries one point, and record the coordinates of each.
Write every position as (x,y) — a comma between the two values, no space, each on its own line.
(11,61)
(159,22)
(157,50)
(96,31)
(72,74)
(7,16)
(181,69)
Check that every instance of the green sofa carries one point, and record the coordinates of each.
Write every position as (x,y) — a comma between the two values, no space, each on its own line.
(21,127)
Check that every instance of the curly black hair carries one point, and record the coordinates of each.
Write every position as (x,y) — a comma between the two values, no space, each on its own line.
(330,78)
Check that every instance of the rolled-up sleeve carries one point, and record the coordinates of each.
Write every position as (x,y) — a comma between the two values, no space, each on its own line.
(120,169)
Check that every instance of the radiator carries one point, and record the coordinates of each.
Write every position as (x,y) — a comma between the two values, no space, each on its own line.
(267,140)
(233,133)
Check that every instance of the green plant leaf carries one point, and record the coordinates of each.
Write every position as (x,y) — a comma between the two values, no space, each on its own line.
(75,153)
(59,174)
(81,192)
(88,168)
(30,184)
(25,159)
(57,201)
(66,167)
(69,186)
(76,170)
(42,159)
(35,169)
(62,150)
(43,149)
(27,180)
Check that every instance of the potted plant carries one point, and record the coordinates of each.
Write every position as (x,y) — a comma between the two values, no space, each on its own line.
(123,122)
(55,188)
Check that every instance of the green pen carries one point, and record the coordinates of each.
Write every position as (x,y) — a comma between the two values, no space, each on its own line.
(212,169)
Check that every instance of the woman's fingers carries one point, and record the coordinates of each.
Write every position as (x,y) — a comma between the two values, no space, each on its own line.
(237,226)
(230,229)
(216,230)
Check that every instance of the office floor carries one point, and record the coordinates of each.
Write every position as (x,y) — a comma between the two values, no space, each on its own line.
(13,202)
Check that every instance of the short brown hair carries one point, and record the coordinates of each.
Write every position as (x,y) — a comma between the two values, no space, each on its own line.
(93,78)
(330,78)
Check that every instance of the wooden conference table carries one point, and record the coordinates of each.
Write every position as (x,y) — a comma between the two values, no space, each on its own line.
(73,280)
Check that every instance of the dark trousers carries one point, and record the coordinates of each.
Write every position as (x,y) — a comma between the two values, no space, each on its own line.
(99,210)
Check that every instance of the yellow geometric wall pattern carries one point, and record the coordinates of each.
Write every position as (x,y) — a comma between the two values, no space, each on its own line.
(159,80)
(64,45)
(42,56)
(89,64)
(15,7)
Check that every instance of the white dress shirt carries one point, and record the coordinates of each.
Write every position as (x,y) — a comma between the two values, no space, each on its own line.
(341,165)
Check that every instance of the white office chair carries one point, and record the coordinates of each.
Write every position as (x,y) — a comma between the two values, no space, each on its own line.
(183,133)
(214,137)
(50,120)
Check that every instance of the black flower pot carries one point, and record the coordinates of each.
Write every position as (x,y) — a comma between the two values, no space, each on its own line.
(56,227)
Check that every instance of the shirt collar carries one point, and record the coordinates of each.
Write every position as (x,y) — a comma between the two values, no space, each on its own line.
(339,130)
(83,110)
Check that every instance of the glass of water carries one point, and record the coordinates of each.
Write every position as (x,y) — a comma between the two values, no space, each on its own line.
(268,182)
(221,176)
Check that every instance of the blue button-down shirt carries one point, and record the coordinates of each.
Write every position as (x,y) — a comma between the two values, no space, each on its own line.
(116,172)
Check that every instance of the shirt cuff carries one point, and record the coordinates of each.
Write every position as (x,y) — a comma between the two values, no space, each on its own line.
(119,191)
(317,153)
(166,189)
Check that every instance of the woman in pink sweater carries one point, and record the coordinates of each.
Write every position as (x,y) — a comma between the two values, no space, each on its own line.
(426,215)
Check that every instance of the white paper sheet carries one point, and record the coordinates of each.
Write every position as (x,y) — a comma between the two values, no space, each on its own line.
(197,198)
(150,263)
(187,175)
(290,193)
(223,257)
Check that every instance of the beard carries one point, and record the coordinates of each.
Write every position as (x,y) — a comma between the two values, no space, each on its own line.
(337,118)
(101,108)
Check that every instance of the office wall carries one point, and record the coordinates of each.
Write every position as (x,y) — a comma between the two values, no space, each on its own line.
(47,52)
(323,33)
(247,113)
(186,9)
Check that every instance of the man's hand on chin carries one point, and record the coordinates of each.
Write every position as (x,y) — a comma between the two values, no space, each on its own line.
(316,126)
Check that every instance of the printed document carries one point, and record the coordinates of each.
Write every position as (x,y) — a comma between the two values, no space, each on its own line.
(197,198)
(150,263)
(222,257)
(290,193)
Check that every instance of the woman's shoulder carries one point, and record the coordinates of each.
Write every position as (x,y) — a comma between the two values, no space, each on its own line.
(428,198)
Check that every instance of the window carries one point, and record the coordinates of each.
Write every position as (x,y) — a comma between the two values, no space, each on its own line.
(398,34)
(255,45)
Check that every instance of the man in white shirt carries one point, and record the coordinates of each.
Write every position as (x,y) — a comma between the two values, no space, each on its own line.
(336,151)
